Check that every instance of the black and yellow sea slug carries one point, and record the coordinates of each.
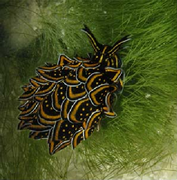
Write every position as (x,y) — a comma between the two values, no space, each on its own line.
(65,102)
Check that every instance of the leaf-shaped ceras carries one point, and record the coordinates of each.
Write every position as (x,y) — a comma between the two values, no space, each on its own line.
(66,101)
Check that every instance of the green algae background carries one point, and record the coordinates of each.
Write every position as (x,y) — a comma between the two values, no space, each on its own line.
(143,134)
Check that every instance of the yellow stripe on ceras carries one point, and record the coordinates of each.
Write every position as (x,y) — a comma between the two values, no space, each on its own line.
(57,129)
(39,80)
(64,108)
(84,124)
(107,110)
(26,118)
(31,126)
(62,145)
(34,83)
(57,105)
(71,81)
(75,108)
(75,138)
(74,65)
(86,133)
(29,94)
(91,80)
(46,122)
(74,95)
(116,75)
(108,103)
(35,134)
(102,54)
(116,60)
(95,92)
(116,72)
(27,87)
(80,74)
(49,77)
(41,92)
(90,121)
(110,114)
(64,60)
(51,146)
(108,63)
(46,116)
(38,98)
(49,67)
(121,82)
(38,127)
(23,105)
(82,59)
(90,65)
(30,110)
